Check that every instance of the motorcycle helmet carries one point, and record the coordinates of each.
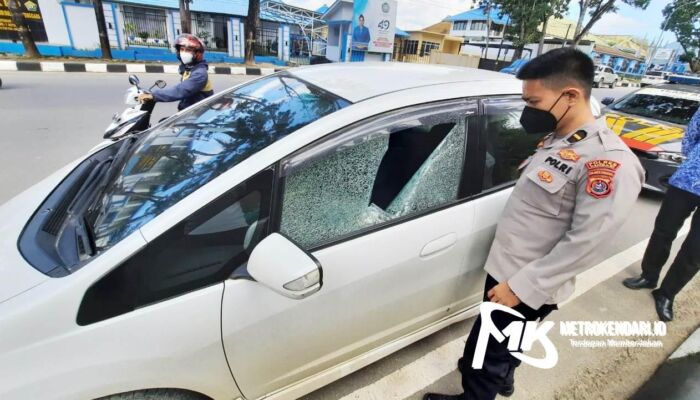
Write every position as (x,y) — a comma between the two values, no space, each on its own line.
(191,43)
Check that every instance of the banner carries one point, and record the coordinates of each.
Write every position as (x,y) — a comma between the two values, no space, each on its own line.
(374,25)
(32,14)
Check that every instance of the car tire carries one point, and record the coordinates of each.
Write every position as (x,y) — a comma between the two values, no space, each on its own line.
(613,84)
(157,394)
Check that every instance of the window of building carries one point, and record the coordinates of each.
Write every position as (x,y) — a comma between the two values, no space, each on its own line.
(478,26)
(410,47)
(427,47)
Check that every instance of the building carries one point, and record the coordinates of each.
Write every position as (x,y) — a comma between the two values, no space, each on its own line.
(472,27)
(146,29)
(420,44)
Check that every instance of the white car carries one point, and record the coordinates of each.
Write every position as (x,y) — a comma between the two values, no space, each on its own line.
(605,75)
(261,243)
(654,78)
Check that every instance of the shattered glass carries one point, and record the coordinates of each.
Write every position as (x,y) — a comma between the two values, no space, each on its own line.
(328,188)
(437,181)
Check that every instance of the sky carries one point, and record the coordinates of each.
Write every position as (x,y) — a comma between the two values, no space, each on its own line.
(416,14)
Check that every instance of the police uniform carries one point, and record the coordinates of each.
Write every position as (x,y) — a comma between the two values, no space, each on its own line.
(572,196)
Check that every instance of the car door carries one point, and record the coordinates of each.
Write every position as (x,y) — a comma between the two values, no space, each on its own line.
(504,149)
(384,207)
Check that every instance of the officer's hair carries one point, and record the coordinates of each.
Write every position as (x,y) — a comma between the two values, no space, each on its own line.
(559,68)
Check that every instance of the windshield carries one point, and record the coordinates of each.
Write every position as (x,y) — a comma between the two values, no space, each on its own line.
(180,156)
(666,105)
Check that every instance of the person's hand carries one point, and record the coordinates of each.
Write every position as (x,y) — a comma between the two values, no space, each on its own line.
(144,97)
(502,294)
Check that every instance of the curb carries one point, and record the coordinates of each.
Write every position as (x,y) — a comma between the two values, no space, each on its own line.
(57,66)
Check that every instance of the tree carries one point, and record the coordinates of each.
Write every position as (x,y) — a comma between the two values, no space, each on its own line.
(25,35)
(185,17)
(526,16)
(596,9)
(556,9)
(682,17)
(252,24)
(102,29)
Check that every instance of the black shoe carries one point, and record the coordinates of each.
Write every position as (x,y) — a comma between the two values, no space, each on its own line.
(506,390)
(437,396)
(639,283)
(664,306)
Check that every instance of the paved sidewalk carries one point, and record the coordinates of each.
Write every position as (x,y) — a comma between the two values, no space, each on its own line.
(679,377)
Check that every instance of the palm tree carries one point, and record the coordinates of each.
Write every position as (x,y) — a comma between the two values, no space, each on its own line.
(102,29)
(25,35)
(252,24)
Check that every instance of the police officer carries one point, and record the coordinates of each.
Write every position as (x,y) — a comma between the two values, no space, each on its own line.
(573,194)
(194,85)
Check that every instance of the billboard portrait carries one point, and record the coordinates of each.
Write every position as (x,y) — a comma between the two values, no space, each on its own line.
(374,25)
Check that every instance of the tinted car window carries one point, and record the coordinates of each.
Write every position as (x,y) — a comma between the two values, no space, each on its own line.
(182,155)
(204,249)
(507,143)
(665,105)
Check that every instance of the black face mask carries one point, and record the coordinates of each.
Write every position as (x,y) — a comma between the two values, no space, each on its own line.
(539,122)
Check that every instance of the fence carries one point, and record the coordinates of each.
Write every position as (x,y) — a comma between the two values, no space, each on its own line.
(266,42)
(145,27)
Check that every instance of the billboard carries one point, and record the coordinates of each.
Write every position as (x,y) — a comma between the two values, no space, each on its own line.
(32,14)
(374,25)
(663,54)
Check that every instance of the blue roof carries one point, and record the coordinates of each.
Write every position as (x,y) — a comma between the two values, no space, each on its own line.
(478,14)
(402,33)
(230,7)
(322,9)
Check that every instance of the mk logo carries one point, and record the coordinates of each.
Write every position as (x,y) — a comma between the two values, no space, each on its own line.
(529,331)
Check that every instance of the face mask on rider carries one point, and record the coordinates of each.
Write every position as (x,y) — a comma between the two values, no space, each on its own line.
(539,122)
(186,57)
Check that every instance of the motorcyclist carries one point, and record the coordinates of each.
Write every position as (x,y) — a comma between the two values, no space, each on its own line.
(195,84)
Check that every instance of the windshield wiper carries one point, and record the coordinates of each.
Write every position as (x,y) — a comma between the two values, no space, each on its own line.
(110,172)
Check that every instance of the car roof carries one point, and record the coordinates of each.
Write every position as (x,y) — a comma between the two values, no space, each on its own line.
(359,81)
(679,87)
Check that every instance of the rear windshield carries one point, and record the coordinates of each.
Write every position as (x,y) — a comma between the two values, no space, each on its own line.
(182,155)
(665,105)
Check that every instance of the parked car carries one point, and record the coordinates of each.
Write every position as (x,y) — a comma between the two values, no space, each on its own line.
(652,121)
(654,78)
(249,247)
(605,75)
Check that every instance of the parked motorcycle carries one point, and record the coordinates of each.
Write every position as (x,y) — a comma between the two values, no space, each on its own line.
(136,117)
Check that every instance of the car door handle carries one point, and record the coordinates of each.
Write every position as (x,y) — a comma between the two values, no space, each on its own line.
(439,244)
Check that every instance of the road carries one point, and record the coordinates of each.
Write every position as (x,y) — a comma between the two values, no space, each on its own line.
(49,119)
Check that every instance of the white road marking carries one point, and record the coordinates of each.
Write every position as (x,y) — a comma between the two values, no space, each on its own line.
(8,65)
(440,362)
(50,66)
(95,67)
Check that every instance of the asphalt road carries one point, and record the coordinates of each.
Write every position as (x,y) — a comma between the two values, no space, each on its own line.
(49,119)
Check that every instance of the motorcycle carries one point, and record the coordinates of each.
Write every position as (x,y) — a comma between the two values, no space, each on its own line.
(136,117)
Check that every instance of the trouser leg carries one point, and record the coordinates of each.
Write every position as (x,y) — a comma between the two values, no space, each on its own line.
(686,263)
(499,365)
(675,208)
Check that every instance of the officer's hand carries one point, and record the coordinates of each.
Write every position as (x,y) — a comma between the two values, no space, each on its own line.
(502,294)
(144,97)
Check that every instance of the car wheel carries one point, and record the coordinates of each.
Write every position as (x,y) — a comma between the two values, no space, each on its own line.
(613,84)
(157,394)
(596,84)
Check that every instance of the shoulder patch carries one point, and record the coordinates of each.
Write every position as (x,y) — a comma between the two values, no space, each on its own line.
(600,177)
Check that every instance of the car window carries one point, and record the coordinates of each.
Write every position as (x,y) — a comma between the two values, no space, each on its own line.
(665,105)
(402,164)
(507,144)
(204,249)
(184,154)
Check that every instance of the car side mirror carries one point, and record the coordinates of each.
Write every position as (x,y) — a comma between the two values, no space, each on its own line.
(607,100)
(134,80)
(161,83)
(285,268)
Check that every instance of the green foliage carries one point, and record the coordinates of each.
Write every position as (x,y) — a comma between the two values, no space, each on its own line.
(596,9)
(682,17)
